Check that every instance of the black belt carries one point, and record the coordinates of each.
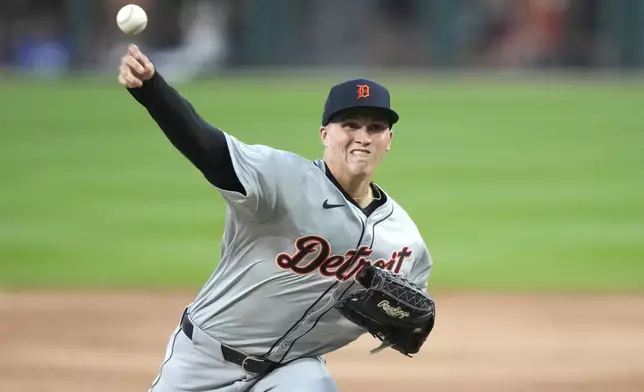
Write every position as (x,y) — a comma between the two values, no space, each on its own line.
(249,363)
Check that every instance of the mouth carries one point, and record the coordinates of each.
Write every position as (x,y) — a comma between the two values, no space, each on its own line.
(360,152)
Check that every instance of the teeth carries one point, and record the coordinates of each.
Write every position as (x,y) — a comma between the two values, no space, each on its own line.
(359,152)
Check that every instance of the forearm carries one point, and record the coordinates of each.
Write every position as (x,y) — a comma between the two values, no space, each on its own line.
(204,145)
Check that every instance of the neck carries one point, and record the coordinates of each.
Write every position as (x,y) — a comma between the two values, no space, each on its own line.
(358,187)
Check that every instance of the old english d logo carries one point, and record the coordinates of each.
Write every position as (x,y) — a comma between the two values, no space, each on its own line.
(363,91)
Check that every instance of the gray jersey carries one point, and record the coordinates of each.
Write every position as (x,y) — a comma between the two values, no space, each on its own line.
(291,249)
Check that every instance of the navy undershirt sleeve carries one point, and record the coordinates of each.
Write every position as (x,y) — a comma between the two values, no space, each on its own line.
(201,143)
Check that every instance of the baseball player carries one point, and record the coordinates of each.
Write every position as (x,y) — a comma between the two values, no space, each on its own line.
(314,253)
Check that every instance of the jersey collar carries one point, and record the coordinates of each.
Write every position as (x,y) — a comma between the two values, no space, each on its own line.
(367,210)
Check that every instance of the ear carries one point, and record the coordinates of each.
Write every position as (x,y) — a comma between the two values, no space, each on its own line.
(324,136)
(391,135)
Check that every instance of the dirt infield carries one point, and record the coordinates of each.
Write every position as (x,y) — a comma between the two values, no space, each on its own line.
(52,341)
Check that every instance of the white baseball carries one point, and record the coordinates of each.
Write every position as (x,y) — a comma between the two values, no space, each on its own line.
(132,19)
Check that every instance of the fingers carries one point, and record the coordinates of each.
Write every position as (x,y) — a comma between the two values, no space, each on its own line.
(133,50)
(134,65)
(149,67)
(142,59)
(127,78)
(135,68)
(124,82)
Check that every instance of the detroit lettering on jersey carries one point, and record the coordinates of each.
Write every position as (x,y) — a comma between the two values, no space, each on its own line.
(339,266)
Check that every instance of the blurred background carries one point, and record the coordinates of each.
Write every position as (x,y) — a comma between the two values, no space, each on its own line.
(204,36)
(519,154)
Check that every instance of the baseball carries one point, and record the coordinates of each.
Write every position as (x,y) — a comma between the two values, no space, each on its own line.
(132,19)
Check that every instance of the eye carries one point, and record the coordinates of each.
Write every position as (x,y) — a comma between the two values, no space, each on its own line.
(377,127)
(351,124)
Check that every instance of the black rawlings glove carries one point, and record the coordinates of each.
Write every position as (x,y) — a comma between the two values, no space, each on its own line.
(390,308)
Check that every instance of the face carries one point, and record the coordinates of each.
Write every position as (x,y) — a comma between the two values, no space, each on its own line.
(355,143)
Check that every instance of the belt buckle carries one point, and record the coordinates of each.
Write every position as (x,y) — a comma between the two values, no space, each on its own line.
(251,358)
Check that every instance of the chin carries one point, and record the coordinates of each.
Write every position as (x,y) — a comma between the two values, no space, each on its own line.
(359,168)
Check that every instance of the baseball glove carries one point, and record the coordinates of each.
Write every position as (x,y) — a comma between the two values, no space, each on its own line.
(390,308)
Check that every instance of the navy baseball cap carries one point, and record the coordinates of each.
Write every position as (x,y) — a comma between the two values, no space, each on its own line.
(358,93)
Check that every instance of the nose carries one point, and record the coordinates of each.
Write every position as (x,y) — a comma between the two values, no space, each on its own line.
(362,136)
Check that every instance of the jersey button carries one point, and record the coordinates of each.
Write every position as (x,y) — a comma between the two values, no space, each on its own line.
(367,239)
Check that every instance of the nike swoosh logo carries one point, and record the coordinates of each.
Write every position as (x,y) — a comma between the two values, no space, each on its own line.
(328,206)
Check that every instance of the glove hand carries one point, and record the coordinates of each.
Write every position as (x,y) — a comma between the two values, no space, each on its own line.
(390,308)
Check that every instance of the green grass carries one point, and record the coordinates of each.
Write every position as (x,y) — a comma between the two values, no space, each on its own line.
(518,185)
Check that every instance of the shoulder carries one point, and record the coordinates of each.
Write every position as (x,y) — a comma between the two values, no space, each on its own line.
(264,154)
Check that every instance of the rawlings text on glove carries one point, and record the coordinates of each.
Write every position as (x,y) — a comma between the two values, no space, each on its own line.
(391,308)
